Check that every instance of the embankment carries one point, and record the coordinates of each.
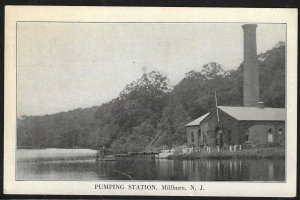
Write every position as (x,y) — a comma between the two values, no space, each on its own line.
(272,153)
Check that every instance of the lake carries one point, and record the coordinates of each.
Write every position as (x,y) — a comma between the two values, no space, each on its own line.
(80,164)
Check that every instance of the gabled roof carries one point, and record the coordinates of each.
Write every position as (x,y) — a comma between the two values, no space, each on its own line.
(197,121)
(255,113)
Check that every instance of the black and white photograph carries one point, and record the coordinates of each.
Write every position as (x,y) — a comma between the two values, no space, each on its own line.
(150,101)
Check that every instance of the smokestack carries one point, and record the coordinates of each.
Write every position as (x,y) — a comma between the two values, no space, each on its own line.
(251,85)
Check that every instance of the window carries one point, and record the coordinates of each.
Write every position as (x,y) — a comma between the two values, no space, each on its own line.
(199,133)
(192,137)
(246,138)
(229,136)
(280,135)
(270,135)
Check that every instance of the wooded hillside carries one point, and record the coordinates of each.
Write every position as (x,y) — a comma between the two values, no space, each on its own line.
(150,106)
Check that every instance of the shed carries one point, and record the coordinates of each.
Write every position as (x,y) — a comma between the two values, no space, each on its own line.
(193,131)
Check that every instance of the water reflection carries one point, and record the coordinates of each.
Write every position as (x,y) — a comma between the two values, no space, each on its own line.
(150,169)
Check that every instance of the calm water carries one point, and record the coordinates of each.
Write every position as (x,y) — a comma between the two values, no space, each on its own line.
(147,169)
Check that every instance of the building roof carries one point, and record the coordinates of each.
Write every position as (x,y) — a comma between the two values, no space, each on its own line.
(197,121)
(255,113)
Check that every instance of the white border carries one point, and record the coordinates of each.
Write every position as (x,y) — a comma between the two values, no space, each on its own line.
(150,14)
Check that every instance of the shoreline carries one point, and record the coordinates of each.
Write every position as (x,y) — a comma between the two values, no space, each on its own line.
(54,154)
(87,154)
(261,153)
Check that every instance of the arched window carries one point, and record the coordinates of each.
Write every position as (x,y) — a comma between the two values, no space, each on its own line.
(247,136)
(199,133)
(192,137)
(229,136)
(280,135)
(270,135)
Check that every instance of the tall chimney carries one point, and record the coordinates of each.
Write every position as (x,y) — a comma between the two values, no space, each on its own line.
(251,85)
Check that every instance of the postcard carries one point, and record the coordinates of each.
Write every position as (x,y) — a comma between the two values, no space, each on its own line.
(150,101)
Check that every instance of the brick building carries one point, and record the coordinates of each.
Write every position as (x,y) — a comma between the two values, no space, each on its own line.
(193,132)
(238,126)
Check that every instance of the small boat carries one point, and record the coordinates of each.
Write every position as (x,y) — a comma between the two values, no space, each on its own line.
(107,158)
(102,156)
(165,153)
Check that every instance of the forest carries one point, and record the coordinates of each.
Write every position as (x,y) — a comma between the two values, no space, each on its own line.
(150,107)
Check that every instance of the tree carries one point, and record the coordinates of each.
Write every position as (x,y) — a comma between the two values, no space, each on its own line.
(149,106)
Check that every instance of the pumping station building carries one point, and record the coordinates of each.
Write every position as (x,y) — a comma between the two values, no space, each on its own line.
(253,124)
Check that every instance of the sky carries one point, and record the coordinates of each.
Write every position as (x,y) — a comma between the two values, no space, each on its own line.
(64,66)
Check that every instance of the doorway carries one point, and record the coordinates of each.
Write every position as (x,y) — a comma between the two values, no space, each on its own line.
(219,137)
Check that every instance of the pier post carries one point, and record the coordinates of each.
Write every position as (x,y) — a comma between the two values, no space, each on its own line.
(230,148)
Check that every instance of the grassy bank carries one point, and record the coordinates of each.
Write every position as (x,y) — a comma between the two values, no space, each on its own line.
(274,153)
